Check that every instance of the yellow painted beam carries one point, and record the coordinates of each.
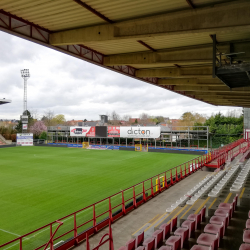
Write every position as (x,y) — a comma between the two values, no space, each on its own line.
(190,72)
(182,23)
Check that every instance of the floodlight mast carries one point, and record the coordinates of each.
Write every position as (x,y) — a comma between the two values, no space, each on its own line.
(25,75)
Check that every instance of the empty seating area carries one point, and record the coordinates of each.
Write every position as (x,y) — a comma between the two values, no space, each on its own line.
(246,235)
(219,224)
(241,178)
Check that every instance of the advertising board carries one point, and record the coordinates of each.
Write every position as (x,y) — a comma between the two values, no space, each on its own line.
(82,131)
(25,139)
(113,131)
(140,132)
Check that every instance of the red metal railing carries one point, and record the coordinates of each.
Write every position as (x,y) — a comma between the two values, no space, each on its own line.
(81,224)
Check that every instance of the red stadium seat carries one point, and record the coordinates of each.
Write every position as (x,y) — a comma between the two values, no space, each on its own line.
(209,240)
(174,242)
(222,213)
(214,229)
(199,247)
(244,247)
(203,213)
(140,248)
(123,248)
(140,239)
(217,220)
(184,233)
(190,225)
(196,218)
(131,244)
(248,224)
(165,248)
(166,230)
(149,243)
(158,235)
(174,224)
(246,236)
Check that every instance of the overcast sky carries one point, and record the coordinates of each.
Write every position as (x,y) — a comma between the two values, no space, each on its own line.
(78,89)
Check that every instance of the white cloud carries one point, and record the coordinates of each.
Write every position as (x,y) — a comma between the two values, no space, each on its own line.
(79,89)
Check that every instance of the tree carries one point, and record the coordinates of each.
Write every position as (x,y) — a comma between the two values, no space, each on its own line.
(43,136)
(38,128)
(59,119)
(114,118)
(48,118)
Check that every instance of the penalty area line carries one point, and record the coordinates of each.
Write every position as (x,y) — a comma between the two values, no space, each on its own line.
(9,232)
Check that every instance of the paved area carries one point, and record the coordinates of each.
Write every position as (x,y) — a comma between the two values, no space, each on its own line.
(148,215)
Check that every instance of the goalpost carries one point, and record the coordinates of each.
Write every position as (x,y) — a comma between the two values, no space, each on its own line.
(138,147)
(85,144)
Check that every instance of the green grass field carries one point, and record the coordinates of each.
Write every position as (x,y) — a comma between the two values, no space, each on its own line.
(40,184)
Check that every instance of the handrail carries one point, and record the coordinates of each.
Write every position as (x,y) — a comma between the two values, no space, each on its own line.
(51,237)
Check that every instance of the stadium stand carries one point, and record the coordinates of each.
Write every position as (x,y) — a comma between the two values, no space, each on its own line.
(212,228)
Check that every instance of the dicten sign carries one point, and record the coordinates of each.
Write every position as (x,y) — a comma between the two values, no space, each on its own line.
(82,131)
(140,132)
(25,139)
(113,131)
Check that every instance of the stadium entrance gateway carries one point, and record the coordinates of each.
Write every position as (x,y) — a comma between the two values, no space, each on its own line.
(155,137)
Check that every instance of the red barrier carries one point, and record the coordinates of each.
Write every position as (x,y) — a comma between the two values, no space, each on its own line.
(95,216)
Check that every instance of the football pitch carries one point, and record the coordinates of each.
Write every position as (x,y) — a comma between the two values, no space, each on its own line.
(41,184)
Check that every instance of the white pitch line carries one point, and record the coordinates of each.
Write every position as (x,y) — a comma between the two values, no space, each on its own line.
(42,231)
(10,232)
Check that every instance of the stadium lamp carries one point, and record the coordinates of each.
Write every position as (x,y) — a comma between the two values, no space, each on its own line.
(25,75)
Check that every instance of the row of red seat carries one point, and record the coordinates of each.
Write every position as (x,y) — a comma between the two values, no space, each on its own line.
(246,235)
(175,242)
(213,232)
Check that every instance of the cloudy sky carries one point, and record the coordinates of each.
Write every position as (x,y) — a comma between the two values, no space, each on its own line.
(78,89)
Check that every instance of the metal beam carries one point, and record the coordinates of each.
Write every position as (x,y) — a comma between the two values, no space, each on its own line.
(190,82)
(190,4)
(146,45)
(210,89)
(189,72)
(89,8)
(193,54)
(221,19)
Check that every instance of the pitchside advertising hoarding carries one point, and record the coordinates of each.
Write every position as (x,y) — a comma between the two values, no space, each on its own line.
(113,131)
(116,131)
(24,139)
(140,132)
(82,131)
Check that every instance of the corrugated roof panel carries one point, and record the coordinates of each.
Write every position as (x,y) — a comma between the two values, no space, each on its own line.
(116,47)
(232,36)
(164,42)
(67,14)
(175,41)
(200,3)
(53,15)
(127,9)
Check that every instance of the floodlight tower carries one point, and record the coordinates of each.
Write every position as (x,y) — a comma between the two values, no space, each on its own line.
(25,75)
